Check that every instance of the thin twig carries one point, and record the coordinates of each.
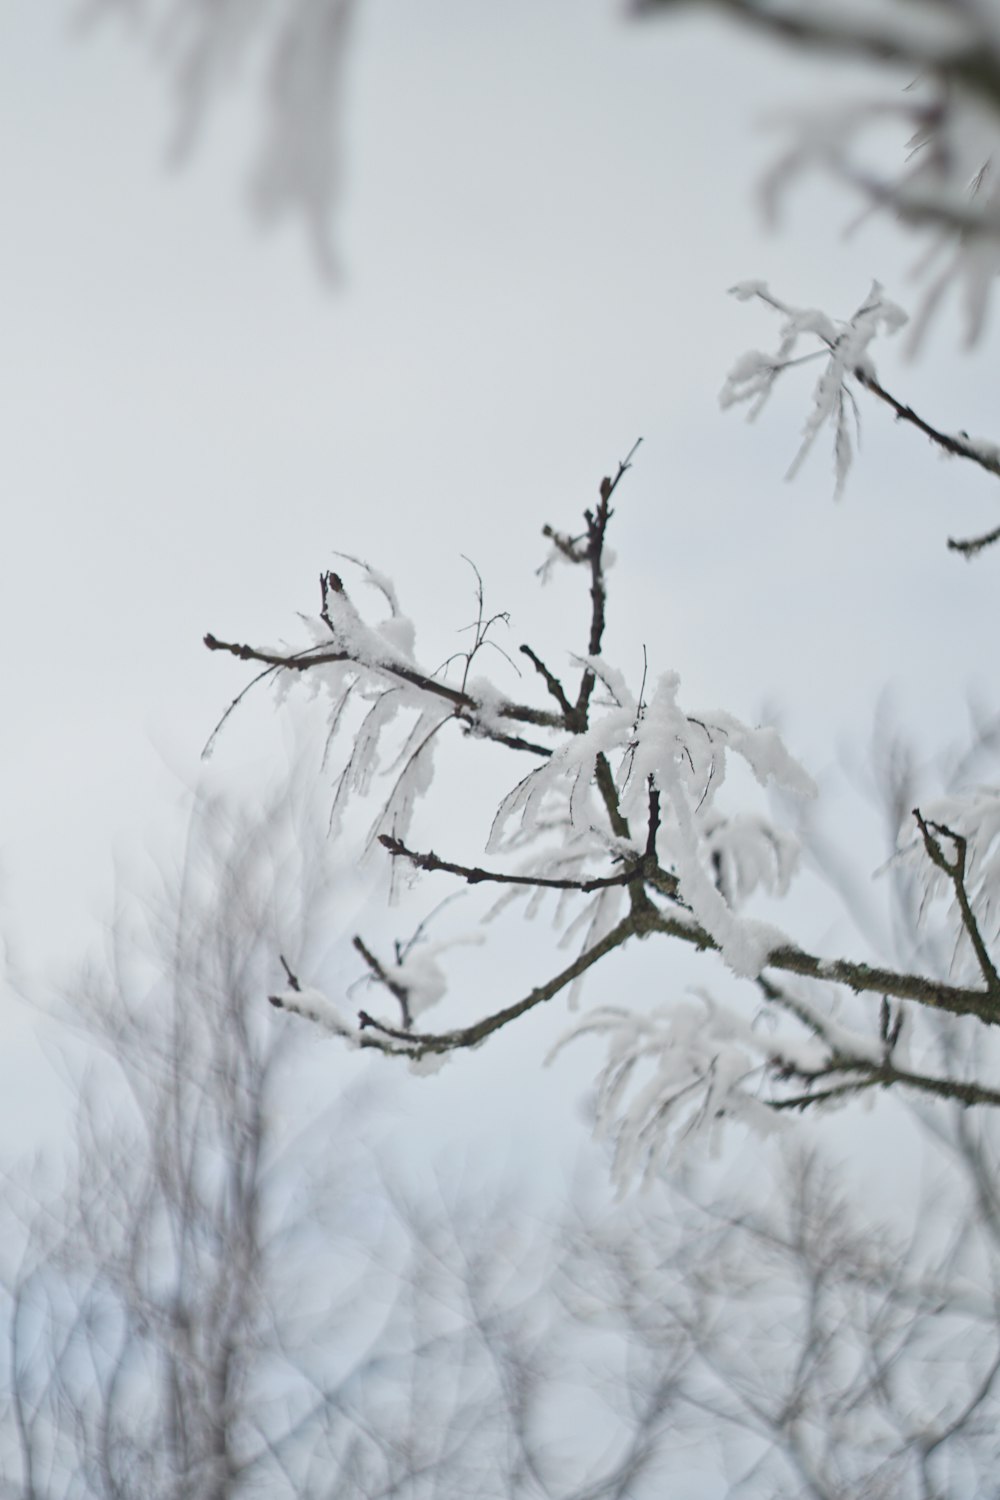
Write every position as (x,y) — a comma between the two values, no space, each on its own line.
(887,1076)
(955,870)
(955,444)
(862,978)
(473,875)
(467,708)
(653,826)
(554,686)
(421,1043)
(394,987)
(958,445)
(597,525)
(858,977)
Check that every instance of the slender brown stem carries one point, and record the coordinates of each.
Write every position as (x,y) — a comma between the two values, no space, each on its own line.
(473,875)
(972,545)
(955,870)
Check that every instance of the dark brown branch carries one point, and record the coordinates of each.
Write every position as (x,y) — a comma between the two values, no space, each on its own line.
(303,662)
(861,978)
(971,65)
(604,777)
(293,979)
(653,826)
(597,525)
(955,871)
(957,446)
(971,545)
(329,583)
(473,875)
(368,1022)
(394,987)
(421,1043)
(555,687)
(509,741)
(645,919)
(569,546)
(842,1064)
(466,707)
(887,1076)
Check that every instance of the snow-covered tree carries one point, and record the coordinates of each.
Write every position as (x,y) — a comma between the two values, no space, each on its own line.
(626,805)
(824,1356)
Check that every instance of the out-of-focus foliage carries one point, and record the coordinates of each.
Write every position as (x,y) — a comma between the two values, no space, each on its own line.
(226,1293)
(292,54)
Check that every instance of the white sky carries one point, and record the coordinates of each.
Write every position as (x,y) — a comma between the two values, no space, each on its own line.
(544,208)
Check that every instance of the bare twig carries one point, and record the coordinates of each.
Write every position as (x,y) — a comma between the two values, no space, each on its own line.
(867,1073)
(955,871)
(886,1076)
(597,525)
(956,444)
(465,705)
(862,978)
(293,980)
(653,826)
(304,661)
(422,1043)
(645,920)
(394,987)
(972,545)
(555,687)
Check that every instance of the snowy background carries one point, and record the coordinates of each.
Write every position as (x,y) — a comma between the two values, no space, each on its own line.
(542,209)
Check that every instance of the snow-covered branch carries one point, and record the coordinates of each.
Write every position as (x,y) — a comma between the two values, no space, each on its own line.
(627,822)
(843,347)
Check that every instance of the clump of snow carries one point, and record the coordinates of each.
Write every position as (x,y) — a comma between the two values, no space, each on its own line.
(428,1063)
(420,974)
(315,1006)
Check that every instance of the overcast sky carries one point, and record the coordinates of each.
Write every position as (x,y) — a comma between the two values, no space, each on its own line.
(543,209)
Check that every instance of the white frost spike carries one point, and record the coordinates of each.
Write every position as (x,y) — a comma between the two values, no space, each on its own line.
(575,760)
(686,758)
(672,1077)
(745,944)
(844,345)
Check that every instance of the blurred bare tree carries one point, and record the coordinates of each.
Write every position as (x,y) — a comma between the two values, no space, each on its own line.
(172,1323)
(225,1295)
